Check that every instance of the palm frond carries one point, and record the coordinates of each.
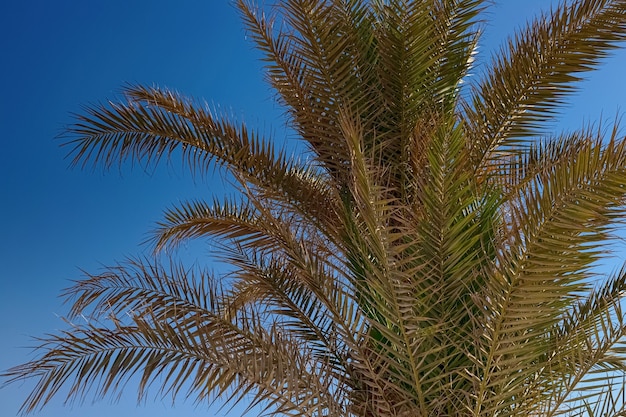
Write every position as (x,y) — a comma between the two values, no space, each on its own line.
(587,345)
(427,257)
(536,70)
(312,68)
(556,229)
(173,342)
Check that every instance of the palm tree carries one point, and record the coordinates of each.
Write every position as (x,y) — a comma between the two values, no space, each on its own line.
(432,254)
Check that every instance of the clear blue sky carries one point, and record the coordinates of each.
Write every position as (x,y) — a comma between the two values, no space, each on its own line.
(59,55)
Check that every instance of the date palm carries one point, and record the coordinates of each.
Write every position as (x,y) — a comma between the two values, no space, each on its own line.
(433,253)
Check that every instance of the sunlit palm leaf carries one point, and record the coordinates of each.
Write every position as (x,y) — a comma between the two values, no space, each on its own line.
(531,76)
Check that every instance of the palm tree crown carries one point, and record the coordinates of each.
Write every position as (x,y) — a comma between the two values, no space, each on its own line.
(433,254)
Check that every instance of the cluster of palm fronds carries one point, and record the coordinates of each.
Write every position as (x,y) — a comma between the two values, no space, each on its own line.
(431,257)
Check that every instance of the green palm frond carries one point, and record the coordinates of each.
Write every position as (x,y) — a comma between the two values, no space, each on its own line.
(556,227)
(595,323)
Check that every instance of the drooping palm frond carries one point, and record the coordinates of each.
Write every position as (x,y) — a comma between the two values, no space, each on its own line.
(156,123)
(429,257)
(175,330)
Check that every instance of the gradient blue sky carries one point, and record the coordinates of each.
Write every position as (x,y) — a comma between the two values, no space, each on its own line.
(59,55)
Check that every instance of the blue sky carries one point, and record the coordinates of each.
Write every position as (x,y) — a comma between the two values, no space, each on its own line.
(64,54)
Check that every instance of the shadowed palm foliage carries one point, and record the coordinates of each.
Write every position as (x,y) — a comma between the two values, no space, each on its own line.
(433,255)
